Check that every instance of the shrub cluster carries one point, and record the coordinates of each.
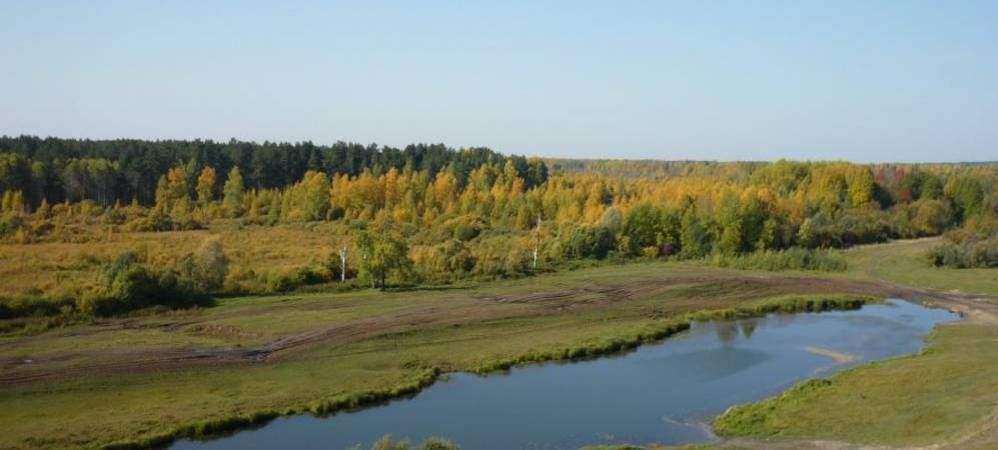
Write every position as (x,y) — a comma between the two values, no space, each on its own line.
(128,285)
(970,253)
(33,305)
(790,259)
(302,276)
(976,245)
(125,284)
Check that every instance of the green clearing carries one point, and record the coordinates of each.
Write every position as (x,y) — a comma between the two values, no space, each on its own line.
(941,395)
(946,395)
(905,262)
(393,342)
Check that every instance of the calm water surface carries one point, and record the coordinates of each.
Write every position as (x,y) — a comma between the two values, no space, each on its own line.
(665,393)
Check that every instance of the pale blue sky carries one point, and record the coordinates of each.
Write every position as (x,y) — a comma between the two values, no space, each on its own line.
(859,80)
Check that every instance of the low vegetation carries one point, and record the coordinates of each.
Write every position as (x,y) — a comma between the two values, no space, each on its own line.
(130,282)
(386,443)
(751,419)
(904,263)
(942,395)
(973,246)
(790,259)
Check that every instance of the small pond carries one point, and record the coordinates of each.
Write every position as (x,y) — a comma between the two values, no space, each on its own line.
(665,392)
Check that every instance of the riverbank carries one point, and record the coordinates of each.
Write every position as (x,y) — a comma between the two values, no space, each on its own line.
(659,392)
(945,396)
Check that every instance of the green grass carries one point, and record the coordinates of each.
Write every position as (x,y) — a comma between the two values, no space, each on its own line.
(904,262)
(917,400)
(789,259)
(946,394)
(662,447)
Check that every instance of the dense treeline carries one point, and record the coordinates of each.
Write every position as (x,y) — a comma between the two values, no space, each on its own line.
(649,168)
(428,214)
(727,209)
(124,170)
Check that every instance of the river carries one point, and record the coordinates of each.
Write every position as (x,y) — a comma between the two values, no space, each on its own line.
(665,393)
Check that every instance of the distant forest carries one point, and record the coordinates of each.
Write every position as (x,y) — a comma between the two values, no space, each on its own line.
(107,171)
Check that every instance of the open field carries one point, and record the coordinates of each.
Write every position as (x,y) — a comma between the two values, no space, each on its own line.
(140,378)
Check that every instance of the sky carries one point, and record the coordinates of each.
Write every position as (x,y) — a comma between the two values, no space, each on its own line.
(867,81)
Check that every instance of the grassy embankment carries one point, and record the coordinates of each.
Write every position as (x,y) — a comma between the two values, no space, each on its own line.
(945,395)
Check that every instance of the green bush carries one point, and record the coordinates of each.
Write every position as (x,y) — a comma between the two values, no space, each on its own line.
(32,305)
(127,285)
(969,254)
(974,245)
(791,259)
(10,223)
(302,276)
(466,231)
(282,282)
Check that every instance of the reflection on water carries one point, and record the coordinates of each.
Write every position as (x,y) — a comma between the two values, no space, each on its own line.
(663,393)
(748,326)
(727,331)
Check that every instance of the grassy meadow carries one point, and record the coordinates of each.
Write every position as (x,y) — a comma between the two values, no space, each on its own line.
(255,251)
(47,267)
(905,262)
